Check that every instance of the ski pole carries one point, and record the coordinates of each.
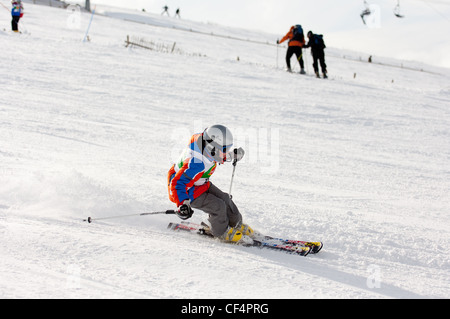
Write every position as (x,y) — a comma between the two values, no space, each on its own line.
(232,177)
(89,26)
(277,53)
(6,8)
(299,58)
(168,212)
(22,26)
(306,63)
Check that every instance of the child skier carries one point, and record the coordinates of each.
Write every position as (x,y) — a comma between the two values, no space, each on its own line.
(16,13)
(189,185)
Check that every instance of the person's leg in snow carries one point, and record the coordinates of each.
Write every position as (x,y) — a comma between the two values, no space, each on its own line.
(15,23)
(223,213)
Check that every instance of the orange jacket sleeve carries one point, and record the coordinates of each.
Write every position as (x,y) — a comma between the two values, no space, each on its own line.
(288,35)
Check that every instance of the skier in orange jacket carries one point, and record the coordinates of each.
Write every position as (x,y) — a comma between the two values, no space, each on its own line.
(296,42)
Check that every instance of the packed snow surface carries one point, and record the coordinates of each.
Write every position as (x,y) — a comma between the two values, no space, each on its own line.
(360,161)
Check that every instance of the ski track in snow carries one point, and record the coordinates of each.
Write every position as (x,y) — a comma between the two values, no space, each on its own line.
(90,129)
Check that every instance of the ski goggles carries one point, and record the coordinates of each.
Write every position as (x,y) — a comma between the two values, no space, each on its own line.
(227,148)
(224,150)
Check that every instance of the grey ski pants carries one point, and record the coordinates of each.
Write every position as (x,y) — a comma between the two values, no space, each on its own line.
(221,209)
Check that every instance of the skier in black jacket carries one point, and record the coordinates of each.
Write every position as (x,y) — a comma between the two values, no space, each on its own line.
(317,46)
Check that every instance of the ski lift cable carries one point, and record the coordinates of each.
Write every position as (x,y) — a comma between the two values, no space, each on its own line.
(428,3)
(440,2)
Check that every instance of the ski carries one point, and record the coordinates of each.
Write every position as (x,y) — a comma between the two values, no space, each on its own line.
(316,246)
(261,241)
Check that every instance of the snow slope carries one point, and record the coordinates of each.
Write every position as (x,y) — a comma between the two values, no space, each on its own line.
(419,36)
(359,161)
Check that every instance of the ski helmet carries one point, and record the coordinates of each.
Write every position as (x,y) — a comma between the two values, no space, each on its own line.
(217,141)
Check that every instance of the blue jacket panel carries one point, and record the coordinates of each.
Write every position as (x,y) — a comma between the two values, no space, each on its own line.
(16,11)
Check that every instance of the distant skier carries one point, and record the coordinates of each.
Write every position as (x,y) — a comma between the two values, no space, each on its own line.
(177,13)
(16,13)
(166,10)
(87,5)
(296,42)
(189,186)
(317,46)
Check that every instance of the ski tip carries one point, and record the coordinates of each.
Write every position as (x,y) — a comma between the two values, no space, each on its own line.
(171,226)
(305,251)
(89,220)
(318,248)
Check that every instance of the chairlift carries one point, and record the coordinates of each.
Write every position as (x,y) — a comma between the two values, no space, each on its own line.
(397,10)
(365,12)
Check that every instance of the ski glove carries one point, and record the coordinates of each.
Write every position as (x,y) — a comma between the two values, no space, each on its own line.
(238,154)
(185,211)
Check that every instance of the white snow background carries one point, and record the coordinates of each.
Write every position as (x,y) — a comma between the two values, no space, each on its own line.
(360,161)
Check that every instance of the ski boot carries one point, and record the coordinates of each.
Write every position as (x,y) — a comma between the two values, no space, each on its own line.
(205,229)
(317,75)
(238,235)
(245,230)
(232,234)
(235,235)
(302,71)
(325,75)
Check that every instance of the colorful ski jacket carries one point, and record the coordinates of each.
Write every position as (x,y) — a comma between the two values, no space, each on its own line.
(17,9)
(293,42)
(189,177)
